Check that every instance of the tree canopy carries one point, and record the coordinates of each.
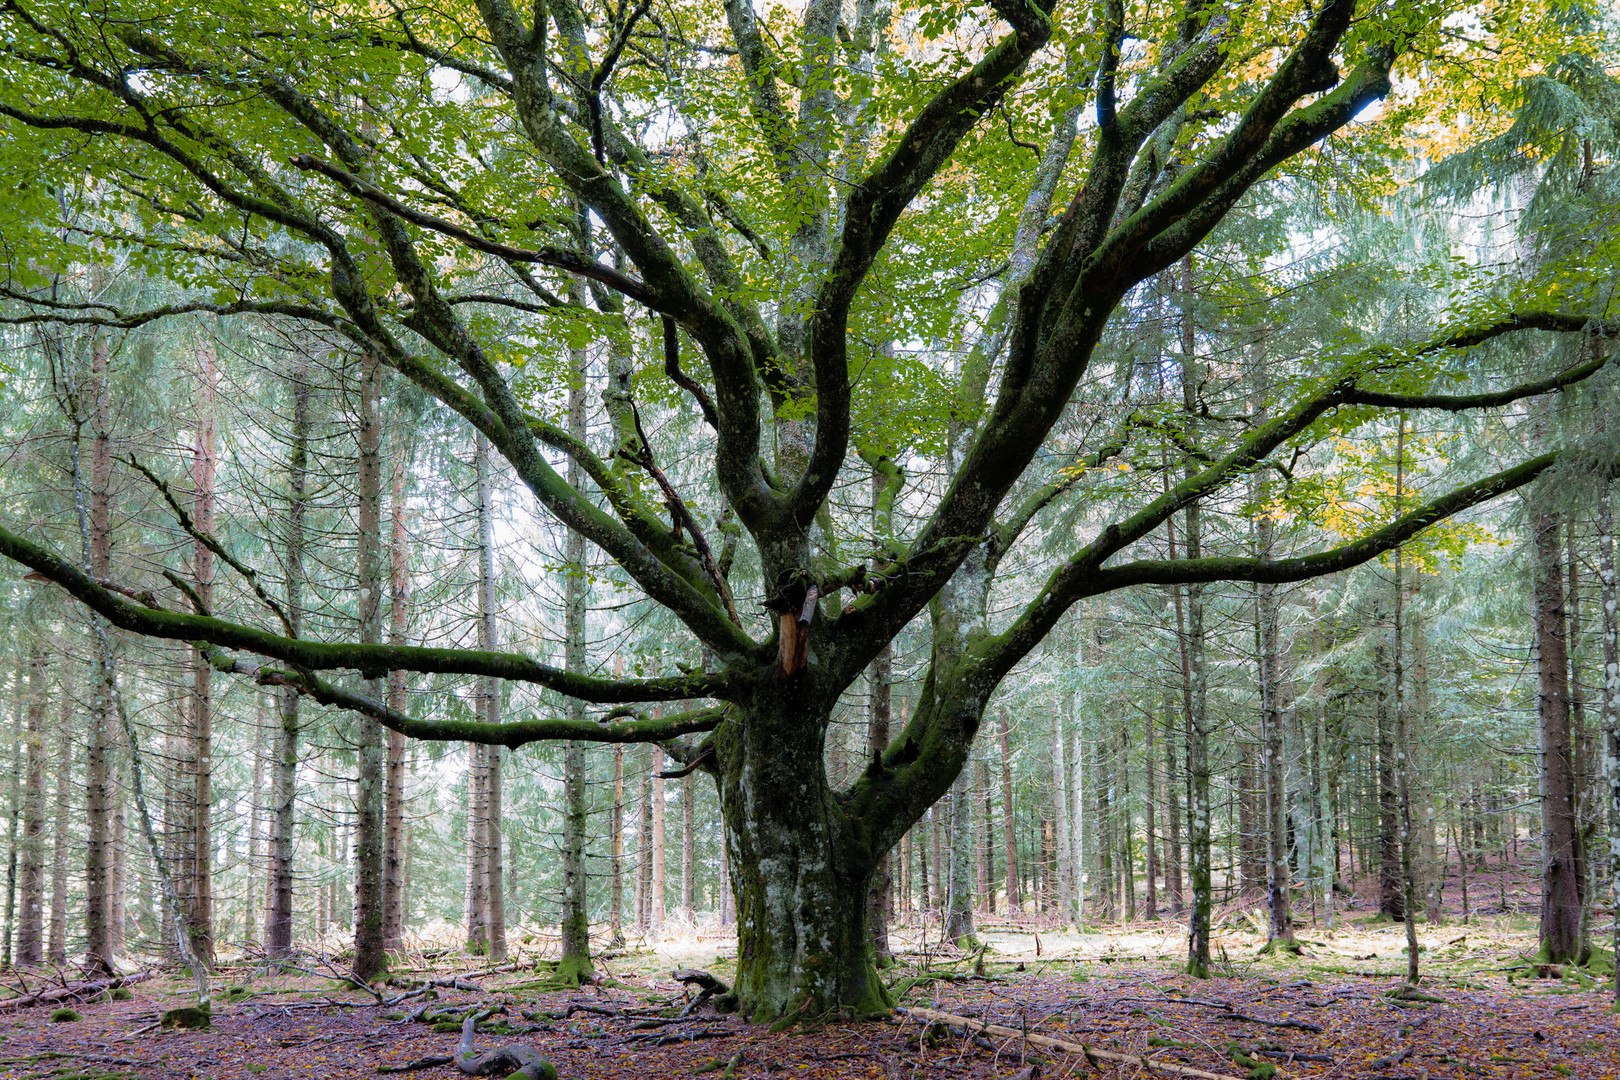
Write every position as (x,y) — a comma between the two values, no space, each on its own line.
(873,256)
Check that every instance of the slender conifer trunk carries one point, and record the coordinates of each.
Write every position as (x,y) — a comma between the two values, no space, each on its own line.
(370,959)
(30,926)
(399,594)
(1563,878)
(278,919)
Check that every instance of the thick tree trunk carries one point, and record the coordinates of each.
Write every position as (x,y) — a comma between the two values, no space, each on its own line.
(370,958)
(278,918)
(800,873)
(1563,878)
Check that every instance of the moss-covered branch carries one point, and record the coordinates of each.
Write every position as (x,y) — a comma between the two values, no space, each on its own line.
(1332,560)
(370,660)
(511,735)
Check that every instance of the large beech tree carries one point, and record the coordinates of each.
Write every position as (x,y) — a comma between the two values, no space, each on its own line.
(765,189)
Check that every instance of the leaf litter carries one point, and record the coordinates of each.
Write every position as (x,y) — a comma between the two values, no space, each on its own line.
(1336,1012)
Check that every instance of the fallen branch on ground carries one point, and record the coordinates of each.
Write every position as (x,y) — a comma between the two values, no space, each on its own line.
(72,992)
(420,1063)
(1089,1053)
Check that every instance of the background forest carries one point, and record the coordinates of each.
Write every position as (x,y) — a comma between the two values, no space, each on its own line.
(1436,712)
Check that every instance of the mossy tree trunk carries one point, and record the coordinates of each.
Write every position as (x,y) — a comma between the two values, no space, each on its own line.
(800,867)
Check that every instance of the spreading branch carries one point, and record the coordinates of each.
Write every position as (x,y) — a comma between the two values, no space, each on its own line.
(370,660)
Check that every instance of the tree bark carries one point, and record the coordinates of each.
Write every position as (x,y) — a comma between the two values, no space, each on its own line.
(1403,743)
(1563,878)
(644,841)
(1611,706)
(1279,911)
(657,887)
(959,906)
(802,878)
(1390,888)
(1151,812)
(1194,680)
(987,837)
(1066,874)
(370,957)
(199,844)
(1106,889)
(477,845)
(1009,832)
(576,925)
(616,895)
(688,847)
(278,918)
(98,775)
(30,926)
(878,716)
(14,801)
(56,941)
(399,597)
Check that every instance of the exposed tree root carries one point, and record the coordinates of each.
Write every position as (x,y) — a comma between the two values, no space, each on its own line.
(510,1060)
(708,987)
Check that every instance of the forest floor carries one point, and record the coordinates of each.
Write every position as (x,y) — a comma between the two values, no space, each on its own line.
(1329,1013)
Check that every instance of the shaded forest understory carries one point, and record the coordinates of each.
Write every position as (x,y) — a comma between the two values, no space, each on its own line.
(1485,1008)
